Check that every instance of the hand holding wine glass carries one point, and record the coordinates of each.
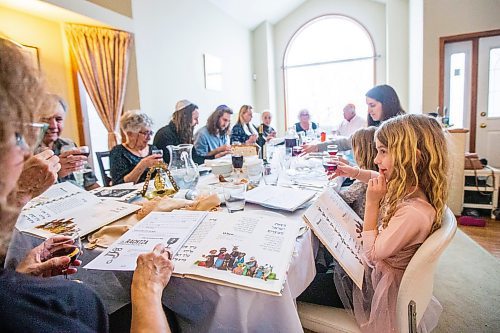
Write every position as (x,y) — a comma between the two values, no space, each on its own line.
(47,259)
(71,159)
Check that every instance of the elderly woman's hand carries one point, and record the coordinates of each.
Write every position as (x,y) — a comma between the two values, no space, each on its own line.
(148,161)
(39,173)
(153,272)
(39,261)
(71,161)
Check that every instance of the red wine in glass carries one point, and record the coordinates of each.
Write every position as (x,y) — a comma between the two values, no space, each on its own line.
(296,150)
(330,166)
(332,150)
(72,251)
(290,142)
(237,161)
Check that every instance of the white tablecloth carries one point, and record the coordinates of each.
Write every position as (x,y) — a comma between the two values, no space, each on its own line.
(202,306)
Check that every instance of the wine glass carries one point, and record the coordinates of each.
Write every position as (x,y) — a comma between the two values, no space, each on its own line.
(71,247)
(237,161)
(330,164)
(332,150)
(157,152)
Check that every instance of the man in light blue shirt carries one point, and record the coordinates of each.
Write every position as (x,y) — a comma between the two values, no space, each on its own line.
(211,141)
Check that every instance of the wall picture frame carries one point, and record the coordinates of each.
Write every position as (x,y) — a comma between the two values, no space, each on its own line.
(213,72)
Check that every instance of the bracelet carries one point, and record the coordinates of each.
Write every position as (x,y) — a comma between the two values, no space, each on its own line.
(357,174)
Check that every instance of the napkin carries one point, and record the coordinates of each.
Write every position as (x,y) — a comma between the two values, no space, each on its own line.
(107,235)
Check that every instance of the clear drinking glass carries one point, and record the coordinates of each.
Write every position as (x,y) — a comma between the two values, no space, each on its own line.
(234,196)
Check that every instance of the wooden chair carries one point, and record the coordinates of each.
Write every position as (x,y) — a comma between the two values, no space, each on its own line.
(414,294)
(105,171)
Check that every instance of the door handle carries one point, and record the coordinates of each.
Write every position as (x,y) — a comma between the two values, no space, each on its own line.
(483,114)
(483,125)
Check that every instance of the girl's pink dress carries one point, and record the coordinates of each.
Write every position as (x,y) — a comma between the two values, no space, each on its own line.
(386,256)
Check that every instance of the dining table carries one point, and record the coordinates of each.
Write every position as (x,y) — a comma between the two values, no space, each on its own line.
(203,306)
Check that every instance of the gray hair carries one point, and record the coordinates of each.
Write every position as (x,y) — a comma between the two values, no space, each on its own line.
(304,112)
(134,121)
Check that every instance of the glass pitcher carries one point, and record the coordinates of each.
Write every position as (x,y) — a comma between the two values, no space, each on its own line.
(182,167)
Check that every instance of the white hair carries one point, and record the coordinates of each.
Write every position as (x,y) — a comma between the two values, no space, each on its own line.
(134,121)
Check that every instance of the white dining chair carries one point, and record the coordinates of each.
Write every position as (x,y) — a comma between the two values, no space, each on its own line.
(415,291)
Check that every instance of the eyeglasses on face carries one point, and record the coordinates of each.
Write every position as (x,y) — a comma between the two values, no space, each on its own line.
(146,133)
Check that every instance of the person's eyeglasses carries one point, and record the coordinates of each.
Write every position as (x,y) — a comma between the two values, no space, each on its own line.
(32,137)
(146,133)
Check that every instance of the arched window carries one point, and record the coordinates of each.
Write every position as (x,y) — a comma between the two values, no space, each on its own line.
(328,63)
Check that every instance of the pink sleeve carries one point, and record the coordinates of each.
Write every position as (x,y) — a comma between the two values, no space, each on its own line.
(408,226)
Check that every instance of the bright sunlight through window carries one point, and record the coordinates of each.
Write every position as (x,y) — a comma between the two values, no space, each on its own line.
(328,63)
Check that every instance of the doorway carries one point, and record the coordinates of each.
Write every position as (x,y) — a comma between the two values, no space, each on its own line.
(469,91)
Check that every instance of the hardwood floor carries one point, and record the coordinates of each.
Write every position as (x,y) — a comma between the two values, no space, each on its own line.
(488,237)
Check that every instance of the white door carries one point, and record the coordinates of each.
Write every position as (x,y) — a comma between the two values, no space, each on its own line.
(488,100)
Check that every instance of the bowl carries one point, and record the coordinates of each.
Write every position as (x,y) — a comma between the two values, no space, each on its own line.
(223,168)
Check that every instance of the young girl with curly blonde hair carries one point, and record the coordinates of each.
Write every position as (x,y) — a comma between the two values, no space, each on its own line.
(405,203)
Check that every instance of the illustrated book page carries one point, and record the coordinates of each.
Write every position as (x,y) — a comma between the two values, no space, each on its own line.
(65,207)
(334,223)
(244,250)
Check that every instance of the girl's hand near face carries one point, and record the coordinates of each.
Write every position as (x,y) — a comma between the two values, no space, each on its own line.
(377,188)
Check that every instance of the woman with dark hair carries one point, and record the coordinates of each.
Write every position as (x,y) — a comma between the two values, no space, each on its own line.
(243,131)
(383,104)
(179,130)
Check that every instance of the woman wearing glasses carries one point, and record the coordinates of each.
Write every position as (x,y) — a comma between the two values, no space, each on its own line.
(131,160)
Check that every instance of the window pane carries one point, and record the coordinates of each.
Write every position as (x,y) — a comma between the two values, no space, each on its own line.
(494,84)
(457,89)
(328,39)
(324,89)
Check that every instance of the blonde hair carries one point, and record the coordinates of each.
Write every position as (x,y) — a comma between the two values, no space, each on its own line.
(243,110)
(418,146)
(363,146)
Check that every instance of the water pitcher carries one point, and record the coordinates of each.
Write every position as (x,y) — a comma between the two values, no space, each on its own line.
(182,167)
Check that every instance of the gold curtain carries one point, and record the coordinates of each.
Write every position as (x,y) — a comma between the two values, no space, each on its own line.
(102,56)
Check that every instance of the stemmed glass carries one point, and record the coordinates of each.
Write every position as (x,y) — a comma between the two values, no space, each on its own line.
(332,150)
(237,161)
(71,248)
(79,174)
(330,164)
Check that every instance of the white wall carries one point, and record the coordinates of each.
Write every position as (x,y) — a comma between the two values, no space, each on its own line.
(416,58)
(369,13)
(264,69)
(171,38)
(396,14)
(448,18)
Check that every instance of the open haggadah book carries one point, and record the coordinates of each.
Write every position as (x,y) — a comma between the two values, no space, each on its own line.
(245,250)
(66,208)
(334,223)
